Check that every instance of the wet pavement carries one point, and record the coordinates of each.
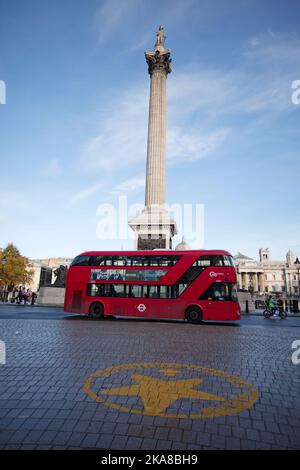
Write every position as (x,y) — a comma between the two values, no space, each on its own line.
(70,382)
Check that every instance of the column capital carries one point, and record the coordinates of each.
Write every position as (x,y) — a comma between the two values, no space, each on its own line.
(159,61)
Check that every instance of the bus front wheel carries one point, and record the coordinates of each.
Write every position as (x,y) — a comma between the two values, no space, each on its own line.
(193,314)
(96,311)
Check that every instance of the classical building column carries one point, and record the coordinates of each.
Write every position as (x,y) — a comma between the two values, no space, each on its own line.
(261,282)
(246,281)
(255,282)
(239,280)
(287,282)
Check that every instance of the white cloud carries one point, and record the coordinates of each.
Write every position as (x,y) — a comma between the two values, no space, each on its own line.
(15,200)
(193,145)
(130,185)
(84,194)
(204,107)
(274,48)
(122,136)
(126,187)
(112,14)
(254,41)
(122,140)
(141,43)
(53,168)
(127,20)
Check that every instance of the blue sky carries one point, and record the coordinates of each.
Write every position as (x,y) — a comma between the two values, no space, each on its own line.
(74,127)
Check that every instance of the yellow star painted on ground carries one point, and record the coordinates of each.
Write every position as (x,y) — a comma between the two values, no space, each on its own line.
(169,372)
(157,395)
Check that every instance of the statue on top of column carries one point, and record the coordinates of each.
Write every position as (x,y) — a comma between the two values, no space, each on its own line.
(159,59)
(160,39)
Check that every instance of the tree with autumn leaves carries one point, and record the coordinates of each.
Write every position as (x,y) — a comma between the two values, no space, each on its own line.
(14,268)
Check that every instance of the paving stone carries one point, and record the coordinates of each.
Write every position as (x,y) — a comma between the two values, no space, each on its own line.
(134,443)
(47,437)
(233,443)
(105,441)
(90,440)
(76,438)
(18,437)
(32,437)
(164,445)
(61,438)
(148,444)
(119,442)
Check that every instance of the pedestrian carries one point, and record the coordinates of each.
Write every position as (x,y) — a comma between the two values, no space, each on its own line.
(33,297)
(6,292)
(9,293)
(15,294)
(28,296)
(23,294)
(20,296)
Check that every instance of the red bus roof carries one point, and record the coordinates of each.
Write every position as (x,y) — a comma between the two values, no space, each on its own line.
(155,252)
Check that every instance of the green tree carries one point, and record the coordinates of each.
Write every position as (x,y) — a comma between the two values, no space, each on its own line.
(14,268)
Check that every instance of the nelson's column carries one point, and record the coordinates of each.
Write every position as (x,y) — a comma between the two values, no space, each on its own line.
(153,227)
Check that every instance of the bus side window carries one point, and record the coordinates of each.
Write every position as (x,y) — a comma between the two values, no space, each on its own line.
(217,260)
(217,291)
(97,261)
(217,295)
(203,261)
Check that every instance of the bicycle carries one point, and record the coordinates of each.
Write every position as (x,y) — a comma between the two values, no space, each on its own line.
(271,312)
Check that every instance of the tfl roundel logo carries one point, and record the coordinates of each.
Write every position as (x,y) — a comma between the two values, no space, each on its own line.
(141,307)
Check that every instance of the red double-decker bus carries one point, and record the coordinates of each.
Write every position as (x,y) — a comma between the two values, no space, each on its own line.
(194,285)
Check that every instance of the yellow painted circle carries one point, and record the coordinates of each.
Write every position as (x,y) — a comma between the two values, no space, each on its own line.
(157,394)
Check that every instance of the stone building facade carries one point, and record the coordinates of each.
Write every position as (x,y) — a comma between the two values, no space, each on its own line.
(268,276)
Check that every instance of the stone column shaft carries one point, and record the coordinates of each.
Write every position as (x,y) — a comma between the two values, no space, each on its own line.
(156,147)
(256,282)
(246,281)
(159,66)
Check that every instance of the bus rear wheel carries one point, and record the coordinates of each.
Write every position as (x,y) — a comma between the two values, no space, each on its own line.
(193,314)
(96,311)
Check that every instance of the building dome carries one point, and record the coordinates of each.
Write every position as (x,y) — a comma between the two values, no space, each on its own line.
(183,245)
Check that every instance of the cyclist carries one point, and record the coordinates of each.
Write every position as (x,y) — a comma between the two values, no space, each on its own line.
(270,303)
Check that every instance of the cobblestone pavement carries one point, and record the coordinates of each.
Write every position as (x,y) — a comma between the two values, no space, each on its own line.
(43,404)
